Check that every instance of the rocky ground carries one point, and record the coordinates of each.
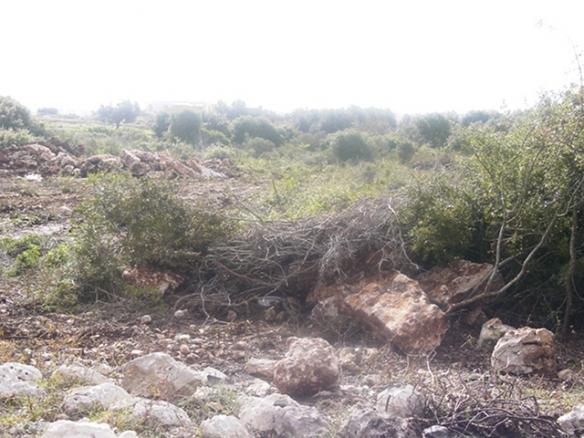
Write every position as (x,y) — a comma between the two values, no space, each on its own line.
(457,377)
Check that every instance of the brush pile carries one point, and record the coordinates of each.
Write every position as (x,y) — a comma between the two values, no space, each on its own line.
(287,259)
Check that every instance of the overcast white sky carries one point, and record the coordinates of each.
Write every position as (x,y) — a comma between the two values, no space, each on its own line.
(412,56)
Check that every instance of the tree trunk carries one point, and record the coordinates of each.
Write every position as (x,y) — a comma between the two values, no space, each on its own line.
(569,279)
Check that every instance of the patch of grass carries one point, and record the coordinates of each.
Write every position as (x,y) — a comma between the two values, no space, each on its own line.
(219,400)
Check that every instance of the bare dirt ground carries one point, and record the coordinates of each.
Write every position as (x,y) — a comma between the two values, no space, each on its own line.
(456,377)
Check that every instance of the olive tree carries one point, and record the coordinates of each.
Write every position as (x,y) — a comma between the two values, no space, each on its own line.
(185,126)
(125,111)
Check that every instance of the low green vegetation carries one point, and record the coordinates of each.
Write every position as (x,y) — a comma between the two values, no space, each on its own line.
(502,188)
(143,222)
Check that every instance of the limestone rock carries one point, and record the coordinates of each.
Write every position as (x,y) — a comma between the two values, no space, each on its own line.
(309,366)
(439,432)
(83,429)
(259,414)
(299,421)
(260,367)
(491,332)
(367,423)
(401,402)
(281,414)
(78,374)
(399,311)
(102,162)
(452,284)
(164,280)
(107,395)
(573,422)
(224,426)
(159,375)
(160,412)
(133,163)
(525,351)
(17,379)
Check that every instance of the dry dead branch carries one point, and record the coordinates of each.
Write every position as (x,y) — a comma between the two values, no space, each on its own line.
(289,258)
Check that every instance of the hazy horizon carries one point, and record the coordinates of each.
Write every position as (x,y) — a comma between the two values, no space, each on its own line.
(410,57)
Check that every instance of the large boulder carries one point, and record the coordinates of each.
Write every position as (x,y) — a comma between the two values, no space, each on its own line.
(309,366)
(17,379)
(449,285)
(398,310)
(159,375)
(525,351)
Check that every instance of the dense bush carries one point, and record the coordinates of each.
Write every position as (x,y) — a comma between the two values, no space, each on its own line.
(185,126)
(140,222)
(247,127)
(17,126)
(352,146)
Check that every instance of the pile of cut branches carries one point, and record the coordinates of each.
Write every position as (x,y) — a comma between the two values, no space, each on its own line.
(287,259)
(484,408)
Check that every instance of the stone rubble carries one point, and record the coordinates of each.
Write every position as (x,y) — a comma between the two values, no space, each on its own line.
(151,386)
(52,159)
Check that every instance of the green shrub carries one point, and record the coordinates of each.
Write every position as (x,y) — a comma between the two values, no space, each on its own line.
(441,219)
(258,146)
(352,146)
(17,137)
(214,137)
(140,222)
(405,151)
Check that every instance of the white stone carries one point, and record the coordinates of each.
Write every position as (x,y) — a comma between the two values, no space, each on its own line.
(259,413)
(573,421)
(17,379)
(224,426)
(107,395)
(82,429)
(159,375)
(160,412)
(401,402)
(299,421)
(80,374)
